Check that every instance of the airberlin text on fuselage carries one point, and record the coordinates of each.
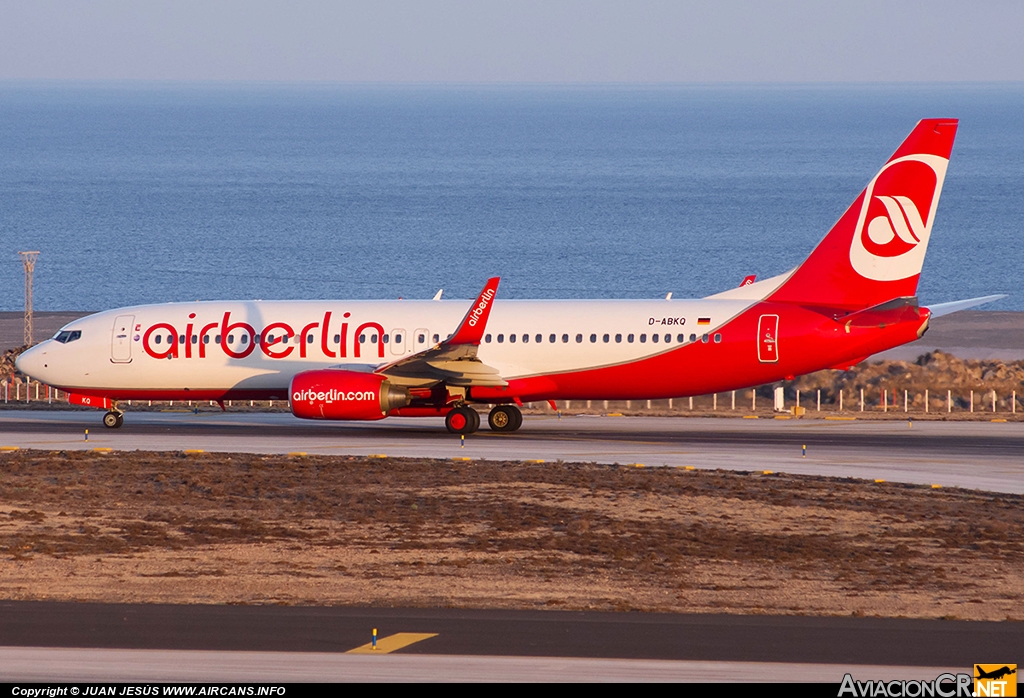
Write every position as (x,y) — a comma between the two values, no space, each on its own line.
(273,339)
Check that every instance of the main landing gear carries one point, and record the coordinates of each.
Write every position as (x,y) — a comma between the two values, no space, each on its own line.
(462,420)
(113,419)
(505,418)
(466,420)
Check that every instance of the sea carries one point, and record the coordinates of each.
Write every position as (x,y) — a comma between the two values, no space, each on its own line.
(144,193)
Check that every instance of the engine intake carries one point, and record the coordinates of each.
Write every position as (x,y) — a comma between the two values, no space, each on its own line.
(337,394)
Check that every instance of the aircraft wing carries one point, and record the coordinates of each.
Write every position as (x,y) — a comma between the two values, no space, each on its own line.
(454,361)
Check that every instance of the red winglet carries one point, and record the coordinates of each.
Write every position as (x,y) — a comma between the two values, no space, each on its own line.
(471,329)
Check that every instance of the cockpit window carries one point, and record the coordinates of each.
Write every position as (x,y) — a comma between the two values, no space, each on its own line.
(65,336)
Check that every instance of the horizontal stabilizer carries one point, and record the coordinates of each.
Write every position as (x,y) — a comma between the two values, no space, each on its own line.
(940,309)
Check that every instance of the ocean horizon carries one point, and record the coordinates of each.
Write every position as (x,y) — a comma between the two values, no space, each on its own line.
(146,193)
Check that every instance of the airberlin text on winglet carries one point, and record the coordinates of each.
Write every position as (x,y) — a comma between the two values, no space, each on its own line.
(481,307)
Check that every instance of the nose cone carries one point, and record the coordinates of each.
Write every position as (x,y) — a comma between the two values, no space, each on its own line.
(31,362)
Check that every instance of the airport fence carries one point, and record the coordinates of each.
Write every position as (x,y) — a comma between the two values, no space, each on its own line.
(771,398)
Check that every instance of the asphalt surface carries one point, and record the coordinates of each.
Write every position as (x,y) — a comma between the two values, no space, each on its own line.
(854,641)
(977,455)
(70,641)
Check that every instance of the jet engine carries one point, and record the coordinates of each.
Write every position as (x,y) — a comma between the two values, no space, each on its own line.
(337,394)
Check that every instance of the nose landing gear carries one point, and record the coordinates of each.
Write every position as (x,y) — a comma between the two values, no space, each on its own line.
(113,419)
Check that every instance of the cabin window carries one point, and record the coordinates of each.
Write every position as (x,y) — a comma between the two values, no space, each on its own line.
(579,339)
(654,338)
(629,338)
(64,339)
(593,339)
(437,338)
(512,338)
(181,339)
(643,339)
(539,338)
(501,338)
(337,339)
(526,339)
(565,339)
(309,339)
(704,338)
(618,339)
(269,339)
(606,338)
(373,339)
(487,338)
(421,338)
(551,338)
(680,338)
(385,338)
(362,339)
(206,339)
(718,338)
(244,339)
(398,339)
(216,340)
(693,338)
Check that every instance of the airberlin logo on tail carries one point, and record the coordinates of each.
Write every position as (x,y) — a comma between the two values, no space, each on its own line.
(485,299)
(896,218)
(901,223)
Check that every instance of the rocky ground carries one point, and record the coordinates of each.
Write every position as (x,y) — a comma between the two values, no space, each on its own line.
(241,528)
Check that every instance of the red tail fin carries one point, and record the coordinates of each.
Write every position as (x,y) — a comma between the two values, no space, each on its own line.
(875,252)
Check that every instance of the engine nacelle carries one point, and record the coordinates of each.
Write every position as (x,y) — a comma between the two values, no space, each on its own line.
(337,394)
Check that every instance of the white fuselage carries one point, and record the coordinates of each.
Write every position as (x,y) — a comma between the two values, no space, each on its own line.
(211,346)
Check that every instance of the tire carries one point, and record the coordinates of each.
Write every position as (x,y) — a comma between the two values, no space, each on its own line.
(505,419)
(112,420)
(462,420)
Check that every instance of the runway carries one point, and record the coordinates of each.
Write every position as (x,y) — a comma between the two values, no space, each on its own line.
(268,643)
(977,455)
(93,642)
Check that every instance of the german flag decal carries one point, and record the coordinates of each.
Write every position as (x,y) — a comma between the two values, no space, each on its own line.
(703,321)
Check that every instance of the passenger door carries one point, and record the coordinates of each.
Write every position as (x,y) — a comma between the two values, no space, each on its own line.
(121,339)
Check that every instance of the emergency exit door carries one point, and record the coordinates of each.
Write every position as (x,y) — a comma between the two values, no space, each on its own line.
(768,339)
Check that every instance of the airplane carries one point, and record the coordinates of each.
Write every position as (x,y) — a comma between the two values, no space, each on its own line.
(854,296)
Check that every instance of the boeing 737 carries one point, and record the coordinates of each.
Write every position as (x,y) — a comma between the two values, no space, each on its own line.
(854,296)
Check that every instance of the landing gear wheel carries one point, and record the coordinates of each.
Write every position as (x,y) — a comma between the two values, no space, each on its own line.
(462,420)
(113,420)
(505,418)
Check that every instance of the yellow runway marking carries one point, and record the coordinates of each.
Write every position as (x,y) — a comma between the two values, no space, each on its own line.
(392,643)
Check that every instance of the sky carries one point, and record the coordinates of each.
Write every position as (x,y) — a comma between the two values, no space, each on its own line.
(525,41)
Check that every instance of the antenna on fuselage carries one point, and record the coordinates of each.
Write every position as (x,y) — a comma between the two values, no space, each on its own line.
(437,296)
(668,297)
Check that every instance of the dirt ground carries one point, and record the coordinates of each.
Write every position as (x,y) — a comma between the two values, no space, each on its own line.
(251,529)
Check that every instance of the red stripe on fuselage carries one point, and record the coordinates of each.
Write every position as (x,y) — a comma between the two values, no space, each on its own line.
(810,339)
